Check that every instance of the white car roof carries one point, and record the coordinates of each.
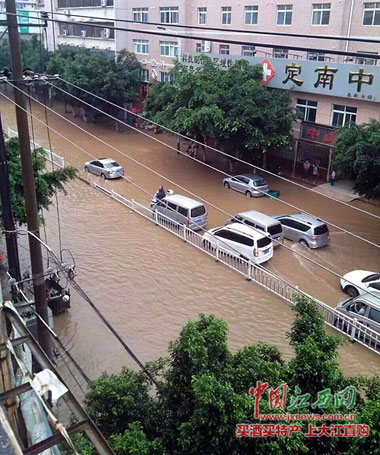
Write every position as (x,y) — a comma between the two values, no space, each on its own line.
(106,160)
(244,229)
(254,215)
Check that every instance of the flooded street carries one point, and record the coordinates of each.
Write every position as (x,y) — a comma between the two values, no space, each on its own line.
(148,283)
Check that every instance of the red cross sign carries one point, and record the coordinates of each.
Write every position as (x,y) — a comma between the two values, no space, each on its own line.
(268,71)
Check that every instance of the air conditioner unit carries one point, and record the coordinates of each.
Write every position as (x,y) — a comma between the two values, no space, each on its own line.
(106,33)
(65,32)
(67,12)
(103,2)
(83,33)
(206,46)
(144,61)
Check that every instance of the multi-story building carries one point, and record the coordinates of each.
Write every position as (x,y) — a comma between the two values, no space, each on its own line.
(25,9)
(328,90)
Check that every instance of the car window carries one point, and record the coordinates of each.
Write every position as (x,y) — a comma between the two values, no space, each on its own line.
(95,163)
(374,315)
(244,180)
(286,221)
(358,308)
(182,211)
(224,234)
(265,241)
(374,286)
(249,223)
(242,239)
(372,277)
(319,230)
(275,229)
(111,165)
(300,226)
(238,178)
(237,218)
(172,206)
(198,211)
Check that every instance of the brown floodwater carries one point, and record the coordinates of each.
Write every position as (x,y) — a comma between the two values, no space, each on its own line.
(149,283)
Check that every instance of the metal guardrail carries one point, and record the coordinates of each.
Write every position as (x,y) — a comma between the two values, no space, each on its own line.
(352,328)
(49,155)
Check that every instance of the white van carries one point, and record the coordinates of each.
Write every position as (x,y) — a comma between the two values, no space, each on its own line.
(183,210)
(261,222)
(242,240)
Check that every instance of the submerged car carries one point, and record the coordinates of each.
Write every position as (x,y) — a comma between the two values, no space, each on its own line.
(359,282)
(252,185)
(305,229)
(107,168)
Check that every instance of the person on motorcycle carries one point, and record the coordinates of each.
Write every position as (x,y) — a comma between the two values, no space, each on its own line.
(160,193)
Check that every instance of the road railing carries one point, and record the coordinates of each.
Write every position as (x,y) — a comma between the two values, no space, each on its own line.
(352,328)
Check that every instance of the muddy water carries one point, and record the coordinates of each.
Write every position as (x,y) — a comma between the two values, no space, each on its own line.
(149,284)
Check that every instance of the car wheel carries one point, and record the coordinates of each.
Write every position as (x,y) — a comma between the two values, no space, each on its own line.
(351,291)
(226,185)
(248,194)
(304,243)
(103,176)
(86,169)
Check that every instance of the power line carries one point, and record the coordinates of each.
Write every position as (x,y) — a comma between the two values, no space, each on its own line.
(178,151)
(155,172)
(207,146)
(227,30)
(223,41)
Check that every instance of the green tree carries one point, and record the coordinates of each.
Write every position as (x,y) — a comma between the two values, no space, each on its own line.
(47,182)
(33,53)
(231,107)
(115,80)
(357,157)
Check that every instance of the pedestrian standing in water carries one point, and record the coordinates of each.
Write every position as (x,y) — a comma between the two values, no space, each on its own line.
(332,178)
(306,168)
(315,173)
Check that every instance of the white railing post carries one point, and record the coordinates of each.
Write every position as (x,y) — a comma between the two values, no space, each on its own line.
(217,253)
(184,233)
(353,331)
(156,217)
(249,268)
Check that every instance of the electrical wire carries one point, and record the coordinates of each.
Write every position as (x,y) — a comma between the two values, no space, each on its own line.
(217,40)
(206,146)
(217,29)
(182,153)
(155,172)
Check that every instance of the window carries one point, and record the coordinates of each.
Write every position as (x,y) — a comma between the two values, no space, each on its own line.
(169,15)
(181,210)
(202,16)
(141,46)
(226,15)
(203,46)
(307,110)
(375,286)
(371,14)
(140,14)
(81,3)
(284,14)
(224,49)
(320,230)
(84,30)
(248,51)
(145,75)
(198,211)
(300,226)
(366,61)
(166,77)
(169,48)
(321,13)
(251,15)
(374,315)
(343,115)
(316,56)
(280,53)
(262,243)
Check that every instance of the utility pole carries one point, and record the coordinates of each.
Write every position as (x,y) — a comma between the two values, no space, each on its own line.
(28,178)
(8,222)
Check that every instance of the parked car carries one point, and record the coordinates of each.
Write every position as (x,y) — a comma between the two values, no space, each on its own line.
(261,222)
(183,210)
(252,185)
(240,239)
(359,282)
(107,168)
(305,229)
(365,308)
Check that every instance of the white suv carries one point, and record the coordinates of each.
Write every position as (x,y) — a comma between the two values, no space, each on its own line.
(240,239)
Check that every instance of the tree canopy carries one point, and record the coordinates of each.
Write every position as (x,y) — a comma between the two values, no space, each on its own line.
(47,182)
(231,107)
(357,157)
(203,395)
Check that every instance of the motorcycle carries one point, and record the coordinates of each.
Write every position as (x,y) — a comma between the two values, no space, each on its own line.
(154,200)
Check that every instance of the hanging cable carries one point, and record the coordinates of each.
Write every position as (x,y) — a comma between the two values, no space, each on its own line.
(174,183)
(207,146)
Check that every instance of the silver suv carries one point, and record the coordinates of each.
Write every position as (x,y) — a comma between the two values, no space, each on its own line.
(365,308)
(306,229)
(252,185)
